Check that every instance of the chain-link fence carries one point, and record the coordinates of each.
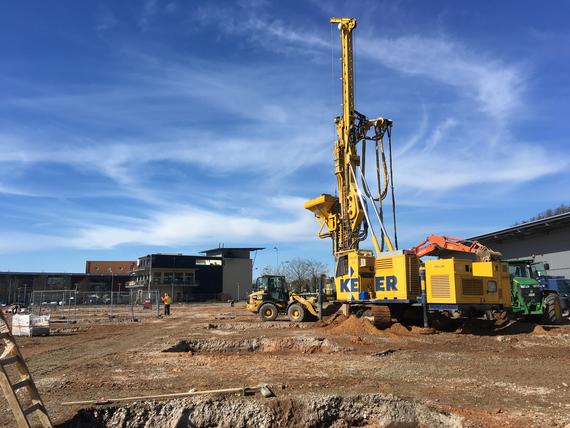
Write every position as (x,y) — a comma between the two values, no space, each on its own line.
(72,305)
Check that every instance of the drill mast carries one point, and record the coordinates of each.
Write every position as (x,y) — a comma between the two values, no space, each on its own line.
(345,152)
(345,215)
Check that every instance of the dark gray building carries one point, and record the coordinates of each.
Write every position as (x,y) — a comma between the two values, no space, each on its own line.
(222,273)
(546,240)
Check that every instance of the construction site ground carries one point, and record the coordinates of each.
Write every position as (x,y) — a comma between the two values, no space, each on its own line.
(516,376)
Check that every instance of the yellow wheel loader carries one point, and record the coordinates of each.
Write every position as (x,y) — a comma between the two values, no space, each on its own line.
(271,297)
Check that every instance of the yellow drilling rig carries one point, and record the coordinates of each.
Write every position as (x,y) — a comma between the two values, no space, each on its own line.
(388,282)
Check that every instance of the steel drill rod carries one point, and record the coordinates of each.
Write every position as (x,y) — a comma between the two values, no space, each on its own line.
(262,387)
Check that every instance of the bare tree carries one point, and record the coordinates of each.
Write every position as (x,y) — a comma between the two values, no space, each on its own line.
(316,270)
(303,274)
(272,270)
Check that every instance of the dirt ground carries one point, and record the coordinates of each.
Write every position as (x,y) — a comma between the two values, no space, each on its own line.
(513,376)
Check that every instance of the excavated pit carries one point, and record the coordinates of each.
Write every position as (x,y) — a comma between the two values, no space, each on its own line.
(320,410)
(269,325)
(300,344)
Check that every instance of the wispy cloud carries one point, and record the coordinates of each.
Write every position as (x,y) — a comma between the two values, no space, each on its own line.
(202,149)
(105,19)
(472,147)
(496,86)
(178,227)
(149,10)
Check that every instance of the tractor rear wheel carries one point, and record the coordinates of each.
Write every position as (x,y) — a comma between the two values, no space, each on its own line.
(296,313)
(268,312)
(552,311)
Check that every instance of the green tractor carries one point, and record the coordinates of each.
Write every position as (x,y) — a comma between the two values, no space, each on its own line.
(529,298)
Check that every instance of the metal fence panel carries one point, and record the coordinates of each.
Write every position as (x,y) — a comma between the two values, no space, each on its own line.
(72,304)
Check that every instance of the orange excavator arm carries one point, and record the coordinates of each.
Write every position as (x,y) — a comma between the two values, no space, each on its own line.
(435,244)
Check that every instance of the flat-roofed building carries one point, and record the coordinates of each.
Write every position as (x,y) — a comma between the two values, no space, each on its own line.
(220,274)
(237,273)
(546,240)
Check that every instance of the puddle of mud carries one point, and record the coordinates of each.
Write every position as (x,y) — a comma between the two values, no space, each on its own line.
(311,410)
(256,344)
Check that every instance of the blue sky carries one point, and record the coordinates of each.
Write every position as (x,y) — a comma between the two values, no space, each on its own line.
(172,126)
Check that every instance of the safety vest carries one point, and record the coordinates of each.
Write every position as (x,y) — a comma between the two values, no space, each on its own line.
(167,300)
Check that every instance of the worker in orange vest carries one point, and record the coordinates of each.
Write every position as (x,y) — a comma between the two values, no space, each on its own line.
(167,300)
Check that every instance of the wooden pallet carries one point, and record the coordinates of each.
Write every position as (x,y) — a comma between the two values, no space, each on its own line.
(22,394)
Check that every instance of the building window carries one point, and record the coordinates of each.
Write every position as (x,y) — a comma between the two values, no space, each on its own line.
(208,262)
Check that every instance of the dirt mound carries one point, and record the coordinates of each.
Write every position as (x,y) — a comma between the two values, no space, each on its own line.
(423,330)
(308,411)
(331,321)
(355,326)
(301,344)
(538,329)
(399,330)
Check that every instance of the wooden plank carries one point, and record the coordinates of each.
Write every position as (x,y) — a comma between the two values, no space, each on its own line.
(21,384)
(33,408)
(10,395)
(10,360)
(12,355)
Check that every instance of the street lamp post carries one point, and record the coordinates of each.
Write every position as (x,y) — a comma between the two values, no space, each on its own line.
(112,283)
(149,274)
(277,256)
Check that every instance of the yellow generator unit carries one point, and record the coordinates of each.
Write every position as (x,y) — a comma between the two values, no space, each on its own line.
(392,277)
(464,284)
(397,277)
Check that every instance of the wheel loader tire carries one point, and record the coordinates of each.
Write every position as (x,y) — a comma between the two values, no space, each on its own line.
(268,312)
(297,313)
(552,311)
(381,316)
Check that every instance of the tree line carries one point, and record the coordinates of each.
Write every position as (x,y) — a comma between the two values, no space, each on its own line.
(302,275)
(563,208)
